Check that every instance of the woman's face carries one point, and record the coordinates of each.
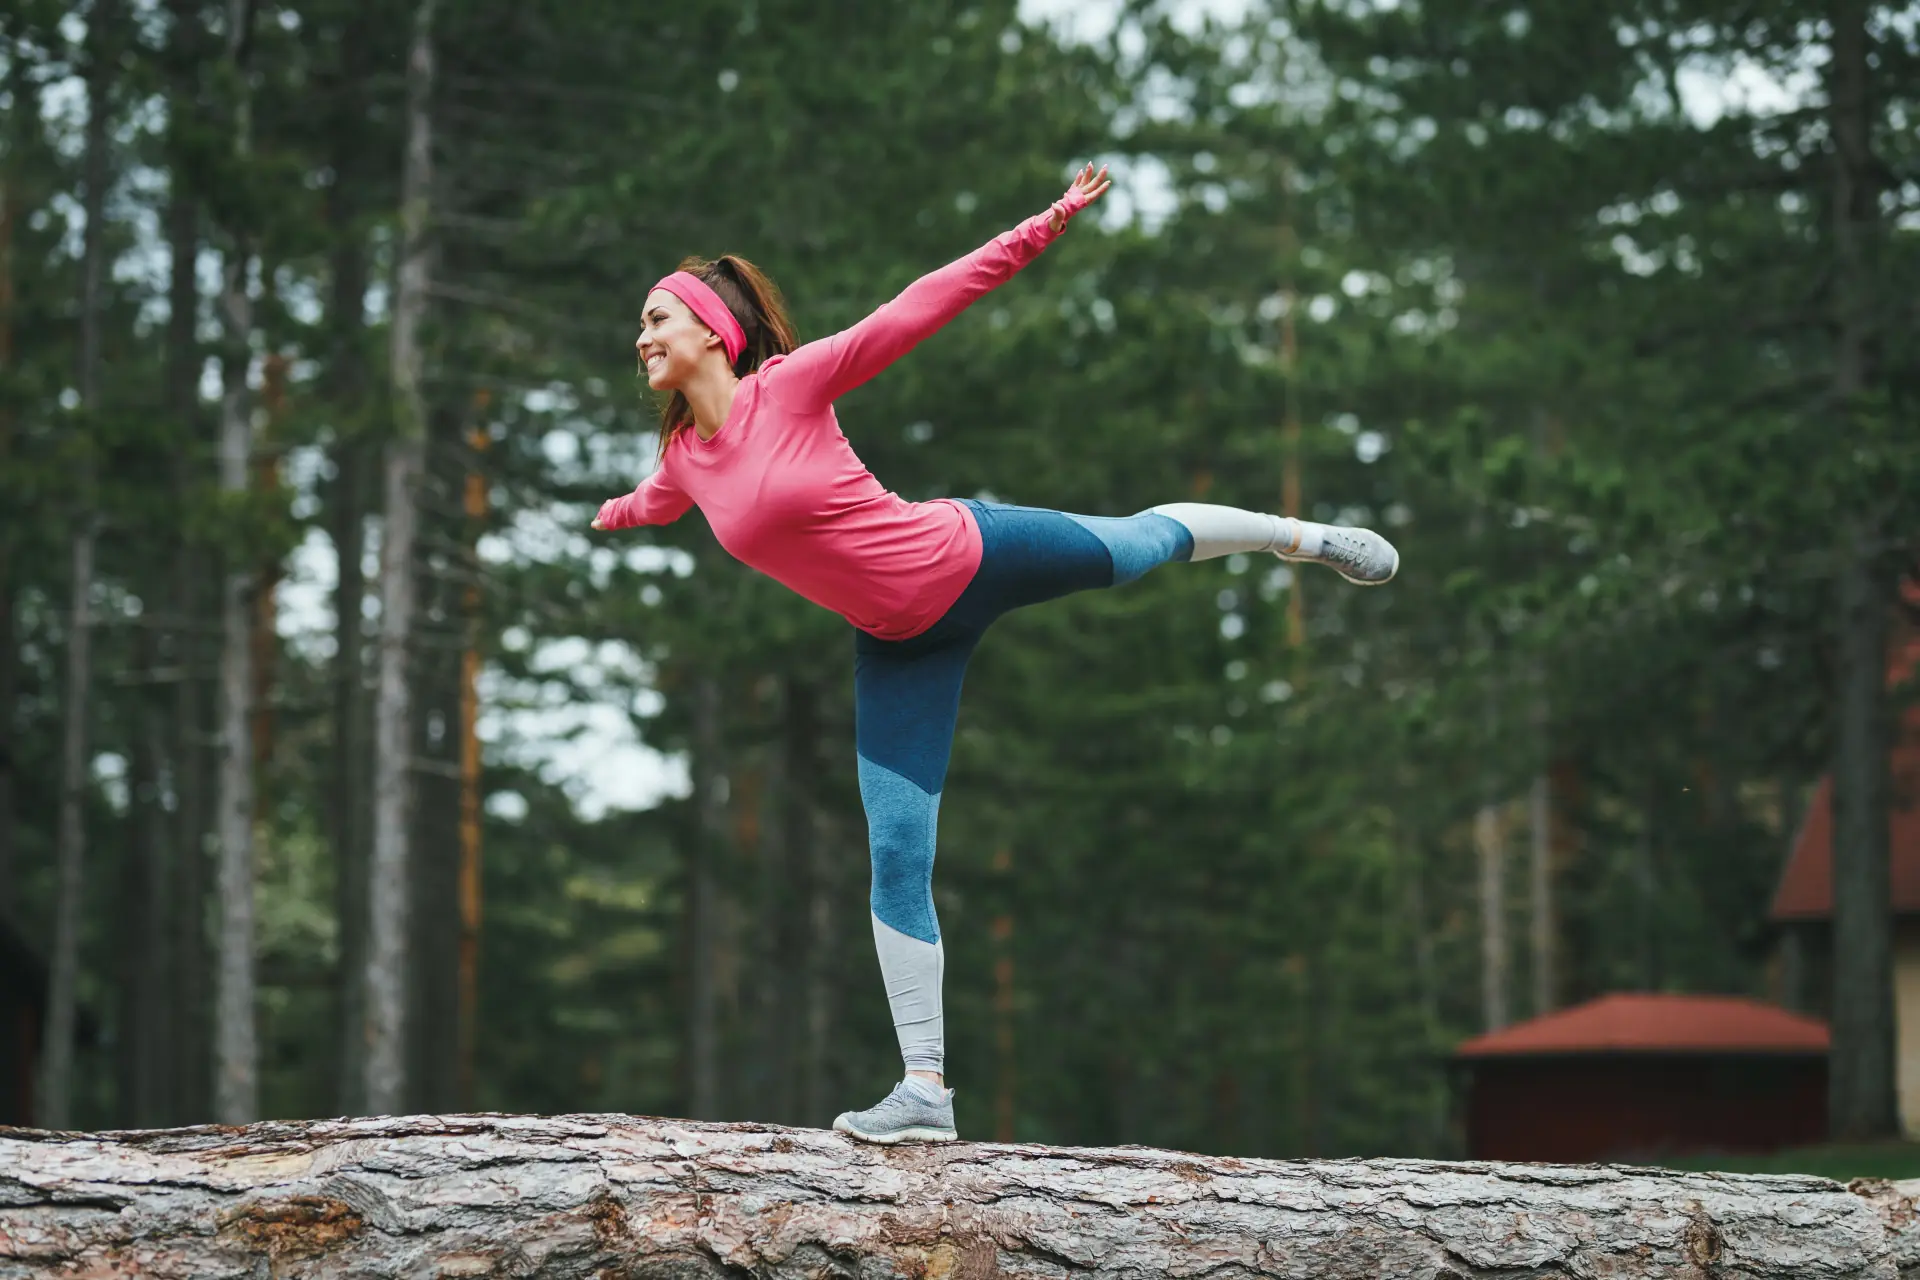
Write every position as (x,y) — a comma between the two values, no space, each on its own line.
(673,341)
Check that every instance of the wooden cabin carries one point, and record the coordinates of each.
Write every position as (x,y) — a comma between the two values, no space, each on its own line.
(1630,1076)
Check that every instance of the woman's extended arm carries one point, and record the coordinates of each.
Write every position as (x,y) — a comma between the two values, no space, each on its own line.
(657,501)
(821,372)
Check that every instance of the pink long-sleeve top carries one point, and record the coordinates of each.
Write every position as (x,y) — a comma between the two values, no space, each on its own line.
(785,493)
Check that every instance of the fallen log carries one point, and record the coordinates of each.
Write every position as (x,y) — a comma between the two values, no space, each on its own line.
(622,1196)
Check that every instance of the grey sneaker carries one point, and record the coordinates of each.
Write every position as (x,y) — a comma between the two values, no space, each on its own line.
(902,1116)
(1361,556)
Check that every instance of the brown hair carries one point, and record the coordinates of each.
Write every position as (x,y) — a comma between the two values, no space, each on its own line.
(756,303)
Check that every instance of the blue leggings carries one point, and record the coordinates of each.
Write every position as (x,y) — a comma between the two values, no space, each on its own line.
(907,697)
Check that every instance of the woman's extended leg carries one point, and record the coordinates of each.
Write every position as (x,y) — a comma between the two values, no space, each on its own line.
(1361,556)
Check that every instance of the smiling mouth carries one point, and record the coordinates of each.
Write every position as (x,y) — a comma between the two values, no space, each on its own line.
(654,361)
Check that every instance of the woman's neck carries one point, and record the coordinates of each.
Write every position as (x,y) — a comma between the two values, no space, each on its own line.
(710,395)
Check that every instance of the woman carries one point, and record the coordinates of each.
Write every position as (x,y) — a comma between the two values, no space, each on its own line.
(749,434)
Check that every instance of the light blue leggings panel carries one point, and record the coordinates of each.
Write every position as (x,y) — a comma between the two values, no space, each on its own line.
(901,820)
(907,698)
(907,692)
(1138,543)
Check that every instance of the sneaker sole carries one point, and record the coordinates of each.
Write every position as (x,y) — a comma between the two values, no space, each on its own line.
(1358,582)
(912,1133)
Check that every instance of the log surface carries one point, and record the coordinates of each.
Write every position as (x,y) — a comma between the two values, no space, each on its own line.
(622,1196)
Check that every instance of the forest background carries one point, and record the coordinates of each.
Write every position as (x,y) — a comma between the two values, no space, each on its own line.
(346,770)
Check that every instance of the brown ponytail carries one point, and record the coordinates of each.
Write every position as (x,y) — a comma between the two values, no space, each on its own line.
(756,303)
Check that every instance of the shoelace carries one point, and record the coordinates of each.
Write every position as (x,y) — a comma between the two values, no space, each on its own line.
(1339,545)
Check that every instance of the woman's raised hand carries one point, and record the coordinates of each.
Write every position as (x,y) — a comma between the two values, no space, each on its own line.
(1087,187)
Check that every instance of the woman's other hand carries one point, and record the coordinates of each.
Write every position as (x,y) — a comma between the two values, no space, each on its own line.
(1087,187)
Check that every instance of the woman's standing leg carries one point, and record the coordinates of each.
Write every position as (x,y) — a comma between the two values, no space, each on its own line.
(906,700)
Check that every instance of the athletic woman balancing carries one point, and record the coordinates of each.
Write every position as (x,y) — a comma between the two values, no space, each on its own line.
(749,433)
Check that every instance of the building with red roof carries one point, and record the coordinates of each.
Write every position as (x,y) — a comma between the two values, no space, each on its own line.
(1633,1075)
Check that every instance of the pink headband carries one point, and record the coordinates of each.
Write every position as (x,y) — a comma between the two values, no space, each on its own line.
(705,303)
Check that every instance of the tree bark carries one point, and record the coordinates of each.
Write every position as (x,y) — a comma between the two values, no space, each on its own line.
(390,873)
(235,1043)
(70,849)
(601,1196)
(1862,1099)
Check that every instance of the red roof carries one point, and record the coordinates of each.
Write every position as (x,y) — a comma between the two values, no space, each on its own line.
(1806,887)
(1642,1023)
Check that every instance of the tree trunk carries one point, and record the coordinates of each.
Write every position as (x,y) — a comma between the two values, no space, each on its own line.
(264,634)
(1006,1074)
(1429,1127)
(1862,1101)
(189,1030)
(186,1031)
(10,203)
(390,873)
(702,1062)
(235,1046)
(1646,888)
(347,825)
(56,1091)
(1490,846)
(70,850)
(599,1196)
(818,1085)
(236,1085)
(146,984)
(191,1027)
(346,394)
(433,922)
(790,904)
(9,700)
(1540,883)
(474,507)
